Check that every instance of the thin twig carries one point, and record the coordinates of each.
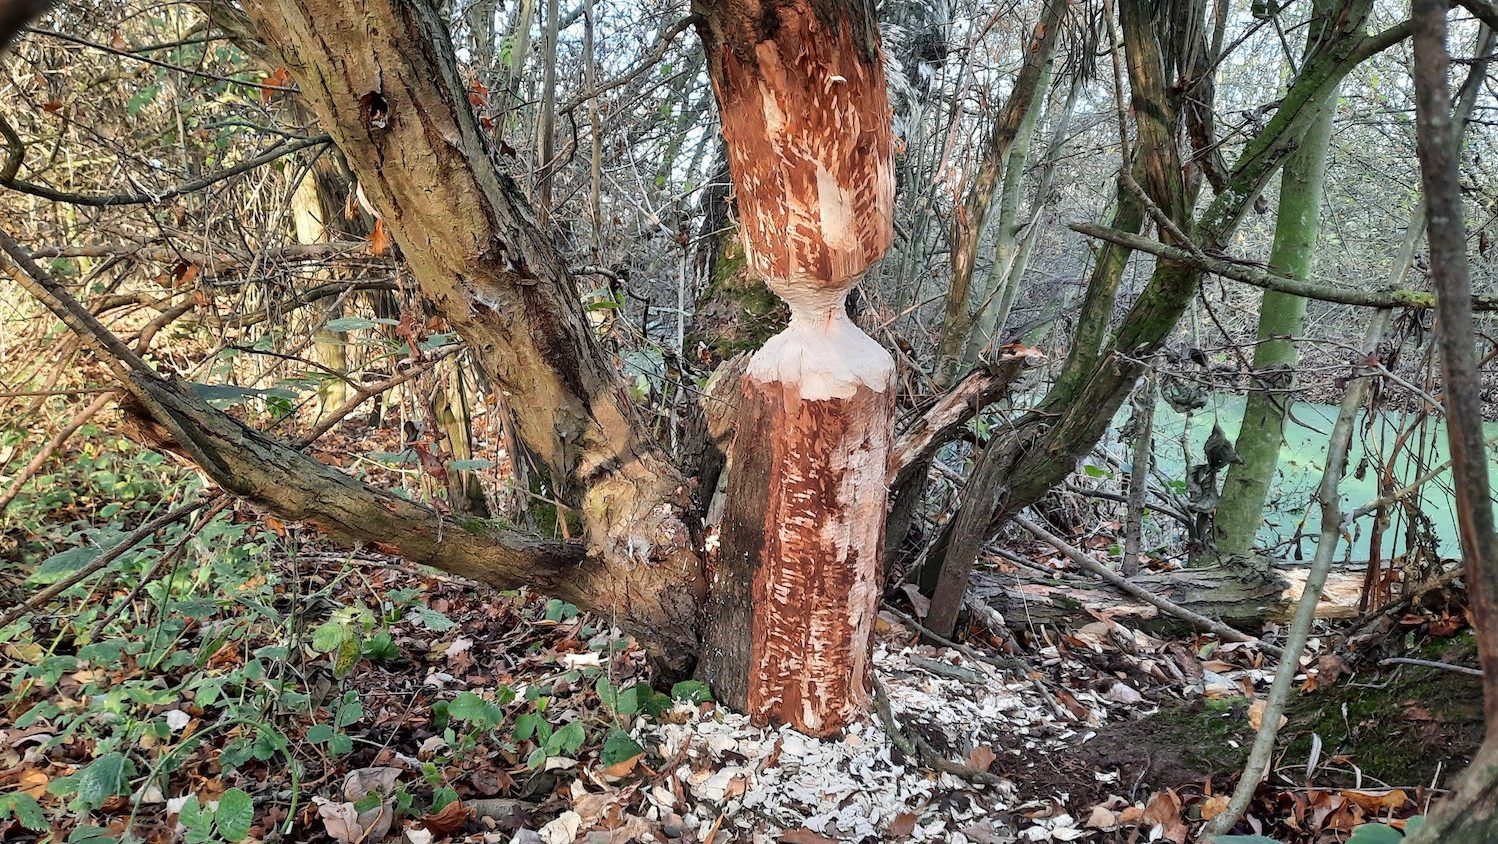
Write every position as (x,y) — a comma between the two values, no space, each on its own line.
(1430,663)
(912,744)
(41,598)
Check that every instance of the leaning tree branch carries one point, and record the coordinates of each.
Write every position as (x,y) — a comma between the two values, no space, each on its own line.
(107,200)
(945,417)
(168,416)
(1395,298)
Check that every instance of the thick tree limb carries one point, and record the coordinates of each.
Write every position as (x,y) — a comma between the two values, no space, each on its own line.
(383,82)
(168,416)
(1414,299)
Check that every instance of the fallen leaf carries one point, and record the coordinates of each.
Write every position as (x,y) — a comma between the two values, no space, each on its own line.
(341,820)
(449,820)
(1256,713)
(1163,809)
(902,825)
(1102,818)
(981,758)
(1214,806)
(1377,801)
(803,836)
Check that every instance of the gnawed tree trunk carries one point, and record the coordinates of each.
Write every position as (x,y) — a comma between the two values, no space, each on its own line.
(807,123)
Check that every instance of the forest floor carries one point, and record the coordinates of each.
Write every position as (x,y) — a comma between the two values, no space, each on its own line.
(289,692)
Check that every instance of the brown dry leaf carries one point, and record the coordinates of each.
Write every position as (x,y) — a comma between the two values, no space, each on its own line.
(1163,809)
(379,240)
(1214,806)
(449,820)
(341,820)
(981,757)
(1130,815)
(1377,801)
(34,783)
(1101,818)
(1256,714)
(803,836)
(1328,668)
(278,78)
(623,767)
(902,825)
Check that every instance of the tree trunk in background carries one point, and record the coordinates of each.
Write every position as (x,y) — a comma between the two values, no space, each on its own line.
(1470,815)
(993,316)
(310,214)
(991,294)
(1282,316)
(1077,411)
(1025,97)
(807,122)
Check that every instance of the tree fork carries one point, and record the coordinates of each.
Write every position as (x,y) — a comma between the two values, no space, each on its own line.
(807,124)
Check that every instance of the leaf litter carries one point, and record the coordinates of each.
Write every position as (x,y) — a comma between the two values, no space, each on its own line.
(459,717)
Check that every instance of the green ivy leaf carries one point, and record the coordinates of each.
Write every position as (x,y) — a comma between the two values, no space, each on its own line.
(466,707)
(347,657)
(619,747)
(433,620)
(349,710)
(106,777)
(692,691)
(349,324)
(329,635)
(62,564)
(568,739)
(1375,833)
(382,648)
(235,814)
(319,733)
(526,726)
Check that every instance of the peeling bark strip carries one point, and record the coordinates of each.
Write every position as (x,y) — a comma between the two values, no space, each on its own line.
(807,124)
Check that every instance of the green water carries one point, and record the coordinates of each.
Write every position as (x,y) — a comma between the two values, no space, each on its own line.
(1291,508)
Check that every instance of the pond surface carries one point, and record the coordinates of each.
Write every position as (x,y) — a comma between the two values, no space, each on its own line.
(1291,509)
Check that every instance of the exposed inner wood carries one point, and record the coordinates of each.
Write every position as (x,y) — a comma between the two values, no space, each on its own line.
(807,124)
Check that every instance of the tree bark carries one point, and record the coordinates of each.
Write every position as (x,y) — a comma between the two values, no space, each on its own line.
(807,123)
(382,79)
(1281,317)
(1470,815)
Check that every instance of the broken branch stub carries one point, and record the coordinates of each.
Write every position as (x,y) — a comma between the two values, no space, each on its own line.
(807,124)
